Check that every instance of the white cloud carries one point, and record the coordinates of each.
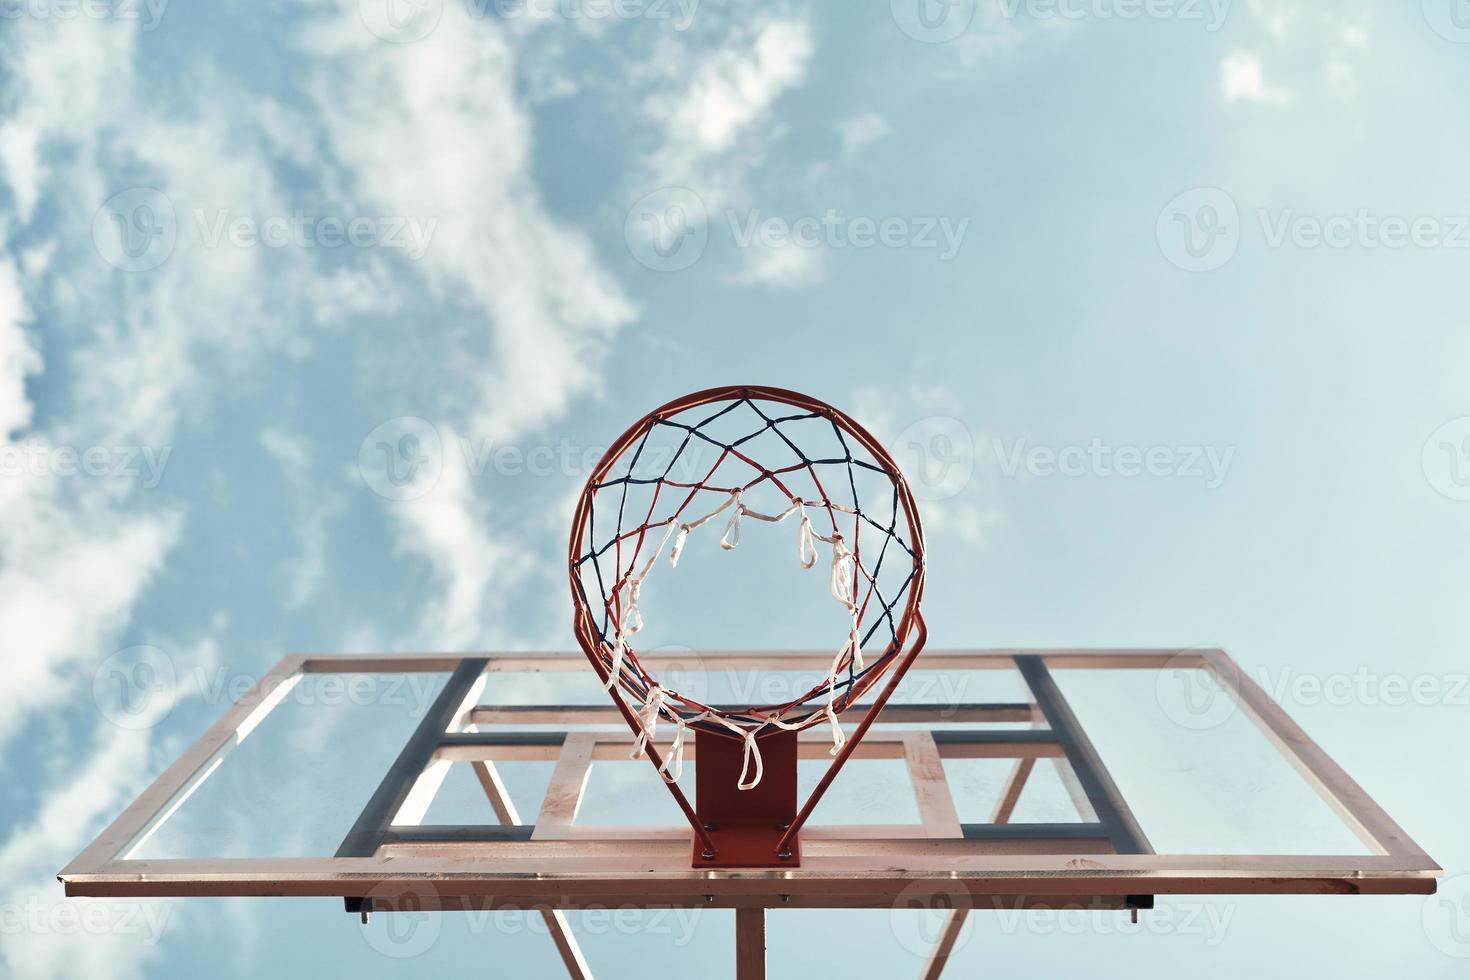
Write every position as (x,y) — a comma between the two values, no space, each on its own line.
(995,33)
(965,517)
(859,132)
(1342,79)
(1244,80)
(1308,42)
(736,84)
(18,356)
(713,112)
(287,448)
(73,565)
(432,130)
(20,159)
(54,946)
(73,570)
(949,522)
(76,558)
(429,129)
(79,553)
(315,506)
(780,266)
(65,80)
(447,526)
(712,107)
(1352,43)
(1278,18)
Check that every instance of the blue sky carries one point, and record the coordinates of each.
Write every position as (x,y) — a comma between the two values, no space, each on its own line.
(1164,305)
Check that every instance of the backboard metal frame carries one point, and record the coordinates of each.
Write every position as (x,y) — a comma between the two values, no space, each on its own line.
(389,859)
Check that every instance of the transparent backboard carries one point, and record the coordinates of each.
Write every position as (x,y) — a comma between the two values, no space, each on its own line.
(1045,778)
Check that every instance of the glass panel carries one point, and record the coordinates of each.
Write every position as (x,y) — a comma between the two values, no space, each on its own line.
(628,793)
(870,791)
(296,784)
(698,678)
(1200,777)
(977,785)
(462,800)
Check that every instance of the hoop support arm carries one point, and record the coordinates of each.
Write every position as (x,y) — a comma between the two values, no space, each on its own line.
(656,759)
(783,846)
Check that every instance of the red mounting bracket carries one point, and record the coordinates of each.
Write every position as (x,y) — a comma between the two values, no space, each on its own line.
(745,825)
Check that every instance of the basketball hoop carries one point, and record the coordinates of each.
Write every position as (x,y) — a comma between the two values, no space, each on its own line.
(845,502)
